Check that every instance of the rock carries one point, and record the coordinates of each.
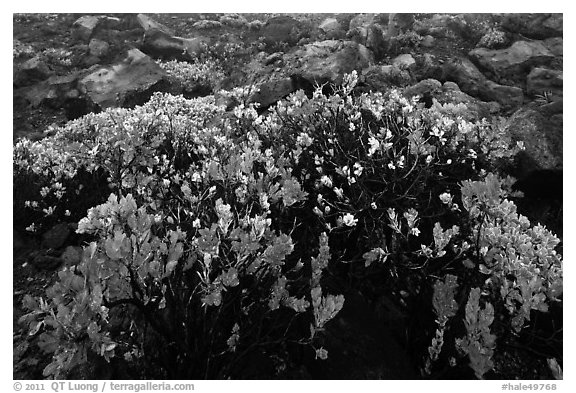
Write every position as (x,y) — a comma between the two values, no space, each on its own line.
(31,71)
(442,26)
(365,31)
(428,66)
(272,91)
(56,236)
(84,27)
(542,141)
(159,44)
(449,93)
(207,24)
(148,24)
(507,96)
(473,82)
(427,42)
(51,92)
(44,261)
(554,45)
(332,28)
(328,61)
(281,29)
(537,26)
(399,23)
(273,58)
(424,87)
(72,256)
(515,61)
(552,109)
(136,77)
(361,20)
(98,48)
(404,62)
(543,80)
(383,77)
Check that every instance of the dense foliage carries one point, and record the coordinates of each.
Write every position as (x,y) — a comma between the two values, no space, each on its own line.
(216,230)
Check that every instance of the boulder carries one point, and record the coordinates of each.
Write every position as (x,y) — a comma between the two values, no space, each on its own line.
(72,256)
(537,26)
(98,48)
(515,61)
(31,71)
(441,26)
(52,92)
(84,27)
(272,91)
(160,44)
(332,28)
(473,82)
(399,23)
(431,90)
(365,31)
(273,58)
(430,87)
(404,62)
(136,77)
(44,261)
(56,236)
(328,61)
(148,24)
(542,140)
(555,45)
(383,77)
(281,29)
(428,66)
(361,20)
(428,41)
(543,80)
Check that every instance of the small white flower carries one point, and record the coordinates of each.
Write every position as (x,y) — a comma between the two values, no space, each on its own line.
(373,205)
(374,145)
(326,181)
(449,161)
(415,231)
(67,213)
(327,209)
(321,354)
(391,165)
(428,159)
(339,192)
(196,223)
(349,220)
(446,198)
(358,169)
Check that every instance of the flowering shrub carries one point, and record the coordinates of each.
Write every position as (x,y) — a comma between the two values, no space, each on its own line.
(217,227)
(193,76)
(493,39)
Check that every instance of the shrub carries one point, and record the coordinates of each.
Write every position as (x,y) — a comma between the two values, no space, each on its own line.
(204,75)
(220,225)
(493,39)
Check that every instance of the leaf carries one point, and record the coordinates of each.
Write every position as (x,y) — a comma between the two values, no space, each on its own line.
(34,328)
(230,278)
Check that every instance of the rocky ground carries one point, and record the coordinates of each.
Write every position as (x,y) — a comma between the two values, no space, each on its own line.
(68,65)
